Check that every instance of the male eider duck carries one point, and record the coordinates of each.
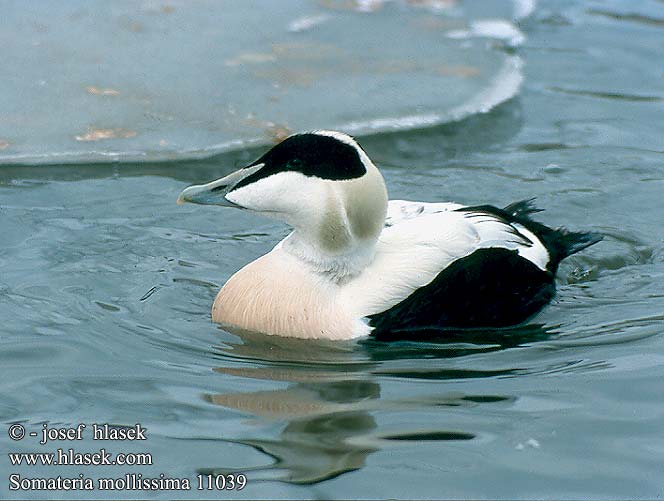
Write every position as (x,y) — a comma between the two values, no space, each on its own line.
(356,264)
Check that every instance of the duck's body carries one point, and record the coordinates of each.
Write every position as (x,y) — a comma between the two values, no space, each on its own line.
(356,264)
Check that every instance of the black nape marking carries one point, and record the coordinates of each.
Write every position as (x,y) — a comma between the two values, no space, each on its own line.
(311,154)
(489,288)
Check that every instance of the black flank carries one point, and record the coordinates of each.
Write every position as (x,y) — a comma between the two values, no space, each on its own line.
(488,288)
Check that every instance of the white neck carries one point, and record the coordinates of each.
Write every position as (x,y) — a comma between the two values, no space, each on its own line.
(338,266)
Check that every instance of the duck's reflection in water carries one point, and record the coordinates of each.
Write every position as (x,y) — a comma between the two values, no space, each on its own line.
(316,443)
(324,408)
(328,406)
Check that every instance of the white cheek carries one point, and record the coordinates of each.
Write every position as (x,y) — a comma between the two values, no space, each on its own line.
(252,196)
(292,194)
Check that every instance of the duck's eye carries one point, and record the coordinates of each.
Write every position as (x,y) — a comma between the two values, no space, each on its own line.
(294,163)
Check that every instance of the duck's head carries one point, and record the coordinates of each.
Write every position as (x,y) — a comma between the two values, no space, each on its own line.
(321,183)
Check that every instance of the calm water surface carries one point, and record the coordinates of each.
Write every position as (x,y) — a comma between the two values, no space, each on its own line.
(106,287)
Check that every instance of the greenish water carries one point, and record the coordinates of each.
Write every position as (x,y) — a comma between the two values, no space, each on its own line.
(106,287)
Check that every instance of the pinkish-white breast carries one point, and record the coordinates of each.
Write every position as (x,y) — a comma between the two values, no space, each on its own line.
(278,295)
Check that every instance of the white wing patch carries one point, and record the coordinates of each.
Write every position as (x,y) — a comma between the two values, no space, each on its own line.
(495,232)
(536,253)
(422,239)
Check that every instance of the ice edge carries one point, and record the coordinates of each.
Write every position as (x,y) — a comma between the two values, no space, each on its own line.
(504,86)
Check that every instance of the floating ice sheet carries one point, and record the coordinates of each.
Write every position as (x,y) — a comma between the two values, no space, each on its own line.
(92,80)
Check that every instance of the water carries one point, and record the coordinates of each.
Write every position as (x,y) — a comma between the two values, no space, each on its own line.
(106,286)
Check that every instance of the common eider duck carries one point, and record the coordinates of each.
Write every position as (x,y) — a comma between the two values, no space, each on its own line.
(357,264)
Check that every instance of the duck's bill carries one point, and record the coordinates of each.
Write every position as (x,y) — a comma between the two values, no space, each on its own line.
(214,192)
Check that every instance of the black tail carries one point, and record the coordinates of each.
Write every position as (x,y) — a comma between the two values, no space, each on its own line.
(560,242)
(573,241)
